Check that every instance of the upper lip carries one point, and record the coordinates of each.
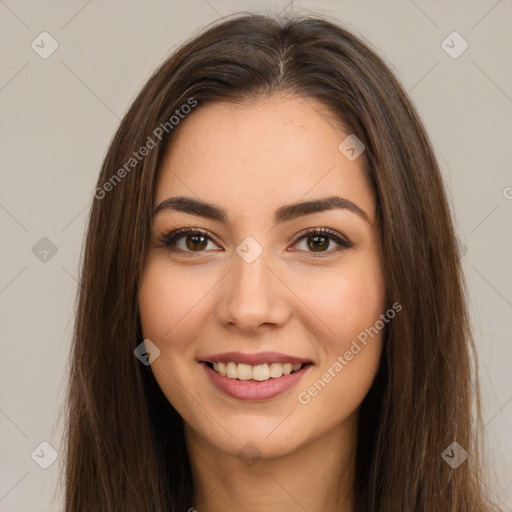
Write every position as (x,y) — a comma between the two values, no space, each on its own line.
(253,359)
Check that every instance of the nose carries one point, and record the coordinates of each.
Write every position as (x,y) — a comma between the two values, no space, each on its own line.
(253,297)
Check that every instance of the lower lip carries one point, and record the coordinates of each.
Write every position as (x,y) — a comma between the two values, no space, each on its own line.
(254,390)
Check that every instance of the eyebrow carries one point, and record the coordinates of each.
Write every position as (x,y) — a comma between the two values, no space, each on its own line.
(283,214)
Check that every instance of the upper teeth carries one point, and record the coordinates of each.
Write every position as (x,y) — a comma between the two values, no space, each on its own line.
(259,372)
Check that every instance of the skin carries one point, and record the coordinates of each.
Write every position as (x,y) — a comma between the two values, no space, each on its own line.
(250,160)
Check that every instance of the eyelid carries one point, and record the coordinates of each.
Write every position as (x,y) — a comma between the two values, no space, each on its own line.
(175,234)
(334,235)
(338,238)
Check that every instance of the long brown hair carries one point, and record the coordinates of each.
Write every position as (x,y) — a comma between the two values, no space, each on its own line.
(125,445)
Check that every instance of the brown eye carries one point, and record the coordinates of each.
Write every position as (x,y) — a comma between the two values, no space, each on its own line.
(318,241)
(196,240)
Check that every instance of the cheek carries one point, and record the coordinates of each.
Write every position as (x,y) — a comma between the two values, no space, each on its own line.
(347,302)
(169,302)
(154,306)
(351,349)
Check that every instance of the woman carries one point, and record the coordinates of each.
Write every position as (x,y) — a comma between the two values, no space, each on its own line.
(272,313)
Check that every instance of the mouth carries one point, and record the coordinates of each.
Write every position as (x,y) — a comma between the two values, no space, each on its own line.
(257,382)
(256,377)
(255,373)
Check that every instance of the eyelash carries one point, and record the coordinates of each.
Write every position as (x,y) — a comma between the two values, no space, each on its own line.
(170,239)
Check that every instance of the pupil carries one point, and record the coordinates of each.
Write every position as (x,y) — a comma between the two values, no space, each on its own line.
(316,244)
(193,245)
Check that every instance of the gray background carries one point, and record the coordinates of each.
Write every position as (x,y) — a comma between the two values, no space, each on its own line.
(59,114)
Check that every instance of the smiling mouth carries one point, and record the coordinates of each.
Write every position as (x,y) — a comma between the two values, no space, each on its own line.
(259,373)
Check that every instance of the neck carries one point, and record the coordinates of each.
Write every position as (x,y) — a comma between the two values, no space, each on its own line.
(319,476)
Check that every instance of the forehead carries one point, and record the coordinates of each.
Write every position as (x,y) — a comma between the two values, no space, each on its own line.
(261,155)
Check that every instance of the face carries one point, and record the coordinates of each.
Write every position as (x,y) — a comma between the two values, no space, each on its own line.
(268,283)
